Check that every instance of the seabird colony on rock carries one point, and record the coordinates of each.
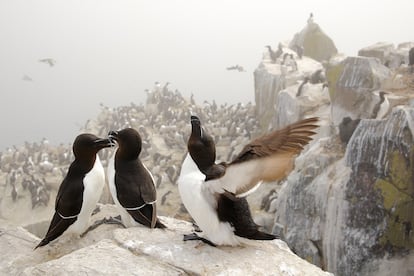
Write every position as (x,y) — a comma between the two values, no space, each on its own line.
(27,169)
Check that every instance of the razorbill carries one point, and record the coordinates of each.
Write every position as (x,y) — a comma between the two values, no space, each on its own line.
(274,55)
(381,108)
(214,194)
(300,88)
(347,128)
(131,183)
(80,189)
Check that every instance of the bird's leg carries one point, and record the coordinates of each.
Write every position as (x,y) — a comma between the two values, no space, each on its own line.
(195,237)
(110,220)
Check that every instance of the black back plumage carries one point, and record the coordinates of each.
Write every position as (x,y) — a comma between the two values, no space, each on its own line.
(134,184)
(69,198)
(237,212)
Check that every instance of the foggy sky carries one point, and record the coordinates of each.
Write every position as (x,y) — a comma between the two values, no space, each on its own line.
(109,51)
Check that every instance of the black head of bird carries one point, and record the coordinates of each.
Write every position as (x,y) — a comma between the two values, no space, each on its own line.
(89,144)
(129,142)
(201,143)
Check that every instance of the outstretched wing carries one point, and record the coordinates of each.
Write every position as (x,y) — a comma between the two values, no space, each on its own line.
(267,158)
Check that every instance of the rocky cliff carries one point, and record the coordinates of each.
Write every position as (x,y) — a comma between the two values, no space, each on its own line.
(346,205)
(345,208)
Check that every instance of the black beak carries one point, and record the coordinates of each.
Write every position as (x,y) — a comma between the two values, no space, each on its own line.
(195,119)
(196,126)
(113,136)
(103,143)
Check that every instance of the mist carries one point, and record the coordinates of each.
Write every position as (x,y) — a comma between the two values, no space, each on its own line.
(108,52)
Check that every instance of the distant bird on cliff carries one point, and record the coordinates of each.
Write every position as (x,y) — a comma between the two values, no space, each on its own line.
(298,49)
(310,19)
(381,108)
(264,205)
(215,193)
(411,59)
(274,55)
(318,77)
(347,128)
(300,88)
(289,60)
(131,183)
(80,189)
(50,61)
(164,197)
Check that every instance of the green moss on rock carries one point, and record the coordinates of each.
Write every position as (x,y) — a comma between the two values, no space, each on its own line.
(333,74)
(399,202)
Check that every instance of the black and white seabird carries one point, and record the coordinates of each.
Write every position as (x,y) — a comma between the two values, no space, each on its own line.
(80,189)
(381,107)
(300,88)
(214,194)
(347,128)
(310,19)
(274,55)
(131,183)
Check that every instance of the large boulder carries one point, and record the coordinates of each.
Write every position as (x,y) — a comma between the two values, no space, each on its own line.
(315,43)
(351,83)
(270,79)
(352,212)
(380,50)
(389,55)
(110,250)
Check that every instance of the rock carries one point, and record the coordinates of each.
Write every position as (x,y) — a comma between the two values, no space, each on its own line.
(112,250)
(380,50)
(350,212)
(387,53)
(103,258)
(351,84)
(315,42)
(270,81)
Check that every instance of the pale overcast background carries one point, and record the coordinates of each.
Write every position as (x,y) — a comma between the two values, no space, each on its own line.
(109,51)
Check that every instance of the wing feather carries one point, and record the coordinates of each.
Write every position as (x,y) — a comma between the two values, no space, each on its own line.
(267,158)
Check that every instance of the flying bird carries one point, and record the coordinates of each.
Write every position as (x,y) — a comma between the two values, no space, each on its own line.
(50,61)
(214,194)
(80,190)
(131,183)
(236,67)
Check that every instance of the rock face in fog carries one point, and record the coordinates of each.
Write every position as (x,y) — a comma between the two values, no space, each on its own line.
(352,83)
(306,49)
(315,43)
(110,249)
(387,53)
(353,207)
(346,205)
